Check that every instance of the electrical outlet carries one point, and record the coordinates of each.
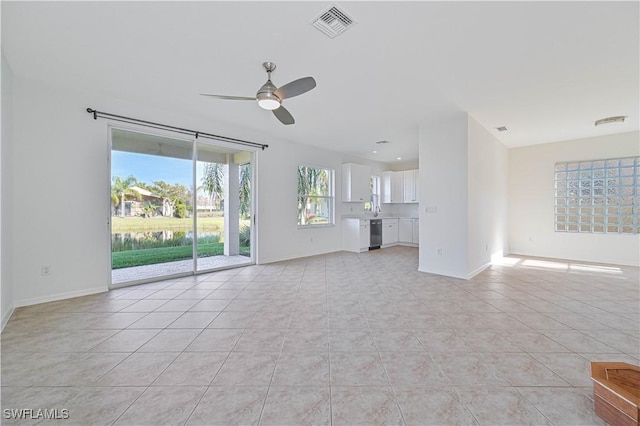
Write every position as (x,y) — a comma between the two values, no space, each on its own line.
(45,270)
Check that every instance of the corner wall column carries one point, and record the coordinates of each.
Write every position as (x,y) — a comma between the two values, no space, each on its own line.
(231,207)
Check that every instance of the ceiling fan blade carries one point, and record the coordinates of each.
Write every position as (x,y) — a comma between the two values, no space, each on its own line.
(233,98)
(283,115)
(295,88)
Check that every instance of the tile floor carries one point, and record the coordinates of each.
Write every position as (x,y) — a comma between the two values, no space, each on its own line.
(340,339)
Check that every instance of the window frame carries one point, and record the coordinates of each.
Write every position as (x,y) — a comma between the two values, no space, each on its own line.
(330,198)
(599,196)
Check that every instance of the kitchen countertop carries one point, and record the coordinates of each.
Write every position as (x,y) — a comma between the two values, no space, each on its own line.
(362,216)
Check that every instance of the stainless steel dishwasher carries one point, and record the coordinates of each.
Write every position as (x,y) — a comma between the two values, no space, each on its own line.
(375,234)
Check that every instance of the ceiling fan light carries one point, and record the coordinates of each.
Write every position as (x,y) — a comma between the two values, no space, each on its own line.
(269,104)
(268,101)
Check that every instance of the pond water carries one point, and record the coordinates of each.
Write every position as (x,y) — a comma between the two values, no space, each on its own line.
(158,239)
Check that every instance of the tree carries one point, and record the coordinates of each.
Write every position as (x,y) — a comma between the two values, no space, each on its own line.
(180,209)
(174,193)
(121,188)
(149,209)
(245,189)
(311,182)
(212,182)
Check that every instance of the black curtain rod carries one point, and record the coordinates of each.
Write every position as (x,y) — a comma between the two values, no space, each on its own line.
(160,126)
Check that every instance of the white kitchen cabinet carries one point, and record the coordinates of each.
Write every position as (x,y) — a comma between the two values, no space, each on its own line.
(355,183)
(389,232)
(392,183)
(408,232)
(410,186)
(365,234)
(355,235)
(405,230)
(400,187)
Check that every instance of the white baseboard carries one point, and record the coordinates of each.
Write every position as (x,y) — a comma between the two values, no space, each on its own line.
(7,317)
(408,244)
(454,275)
(60,296)
(443,273)
(478,270)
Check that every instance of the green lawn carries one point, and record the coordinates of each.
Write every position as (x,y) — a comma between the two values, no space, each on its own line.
(127,259)
(150,256)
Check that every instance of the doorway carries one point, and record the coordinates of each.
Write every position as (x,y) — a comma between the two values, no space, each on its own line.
(178,207)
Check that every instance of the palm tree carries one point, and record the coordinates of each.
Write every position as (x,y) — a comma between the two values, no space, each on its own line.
(311,182)
(149,209)
(245,189)
(212,181)
(120,188)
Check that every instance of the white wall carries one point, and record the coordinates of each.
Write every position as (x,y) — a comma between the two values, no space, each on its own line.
(487,198)
(60,196)
(463,197)
(443,186)
(6,198)
(61,183)
(531,202)
(279,237)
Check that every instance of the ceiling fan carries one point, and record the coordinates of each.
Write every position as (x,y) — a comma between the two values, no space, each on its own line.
(270,97)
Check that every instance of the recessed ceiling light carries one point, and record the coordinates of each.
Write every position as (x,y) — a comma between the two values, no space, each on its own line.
(501,129)
(375,152)
(399,158)
(610,120)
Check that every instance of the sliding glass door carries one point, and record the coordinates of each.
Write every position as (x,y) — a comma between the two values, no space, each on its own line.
(177,206)
(223,213)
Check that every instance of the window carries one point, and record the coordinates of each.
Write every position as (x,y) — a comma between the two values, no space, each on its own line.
(601,196)
(315,196)
(374,199)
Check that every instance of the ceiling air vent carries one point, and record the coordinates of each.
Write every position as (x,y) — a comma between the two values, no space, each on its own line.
(333,22)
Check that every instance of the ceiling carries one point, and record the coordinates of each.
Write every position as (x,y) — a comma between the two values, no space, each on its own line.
(545,70)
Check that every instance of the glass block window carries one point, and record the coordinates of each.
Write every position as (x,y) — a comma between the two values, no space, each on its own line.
(601,196)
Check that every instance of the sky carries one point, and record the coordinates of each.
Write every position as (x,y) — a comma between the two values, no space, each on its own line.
(150,168)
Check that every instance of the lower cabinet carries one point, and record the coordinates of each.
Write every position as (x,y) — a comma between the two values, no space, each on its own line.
(389,232)
(355,235)
(365,235)
(408,232)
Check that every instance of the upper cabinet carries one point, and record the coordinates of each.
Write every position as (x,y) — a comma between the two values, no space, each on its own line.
(410,178)
(400,187)
(356,183)
(392,183)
